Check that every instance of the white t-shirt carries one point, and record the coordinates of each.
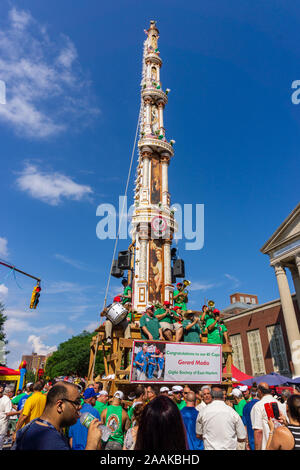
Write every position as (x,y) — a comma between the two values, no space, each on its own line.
(259,417)
(201,405)
(5,407)
(220,426)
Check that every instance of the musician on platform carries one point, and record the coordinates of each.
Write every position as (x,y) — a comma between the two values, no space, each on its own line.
(150,326)
(124,324)
(127,293)
(180,297)
(191,327)
(169,320)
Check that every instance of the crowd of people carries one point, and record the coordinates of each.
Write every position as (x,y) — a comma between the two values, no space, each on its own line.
(50,416)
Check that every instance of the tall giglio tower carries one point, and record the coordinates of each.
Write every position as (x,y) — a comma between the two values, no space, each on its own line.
(153,220)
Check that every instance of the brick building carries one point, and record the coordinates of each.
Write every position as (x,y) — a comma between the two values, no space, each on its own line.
(259,339)
(35,361)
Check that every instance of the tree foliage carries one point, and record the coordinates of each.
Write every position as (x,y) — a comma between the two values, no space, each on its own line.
(72,357)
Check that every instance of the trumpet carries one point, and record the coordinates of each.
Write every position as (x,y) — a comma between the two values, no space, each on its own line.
(211,304)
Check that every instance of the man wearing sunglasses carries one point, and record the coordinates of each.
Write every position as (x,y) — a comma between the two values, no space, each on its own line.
(62,410)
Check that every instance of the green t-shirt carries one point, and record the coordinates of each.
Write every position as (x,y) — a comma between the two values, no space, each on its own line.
(181,405)
(114,422)
(223,329)
(213,336)
(100,406)
(167,319)
(193,334)
(240,406)
(182,305)
(15,400)
(126,291)
(152,325)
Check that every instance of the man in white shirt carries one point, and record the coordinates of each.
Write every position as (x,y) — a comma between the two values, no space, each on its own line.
(206,397)
(218,425)
(259,417)
(5,408)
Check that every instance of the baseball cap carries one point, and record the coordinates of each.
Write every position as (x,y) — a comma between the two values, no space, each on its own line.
(89,393)
(236,393)
(177,388)
(179,284)
(216,310)
(102,393)
(150,306)
(117,299)
(176,307)
(119,395)
(166,302)
(164,389)
(243,388)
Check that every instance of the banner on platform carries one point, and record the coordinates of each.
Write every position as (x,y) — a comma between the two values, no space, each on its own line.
(166,362)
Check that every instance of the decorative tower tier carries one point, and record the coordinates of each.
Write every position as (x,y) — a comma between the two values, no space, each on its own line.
(153,221)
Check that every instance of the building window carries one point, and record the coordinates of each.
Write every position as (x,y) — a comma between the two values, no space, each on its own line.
(242,299)
(237,352)
(247,300)
(233,300)
(277,348)
(253,300)
(256,353)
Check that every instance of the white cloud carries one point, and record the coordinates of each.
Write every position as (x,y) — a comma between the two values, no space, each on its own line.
(50,187)
(91,326)
(44,82)
(3,247)
(72,262)
(38,346)
(236,281)
(195,286)
(3,290)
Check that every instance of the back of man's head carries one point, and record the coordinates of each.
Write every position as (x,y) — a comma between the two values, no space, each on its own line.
(263,388)
(217,393)
(38,386)
(190,398)
(139,391)
(59,391)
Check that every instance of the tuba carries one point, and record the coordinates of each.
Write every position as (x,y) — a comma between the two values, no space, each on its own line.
(183,298)
(186,283)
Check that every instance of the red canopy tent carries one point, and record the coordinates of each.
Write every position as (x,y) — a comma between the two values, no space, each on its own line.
(7,371)
(237,375)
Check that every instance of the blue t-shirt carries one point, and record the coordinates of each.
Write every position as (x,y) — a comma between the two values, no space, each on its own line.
(79,432)
(22,402)
(141,358)
(189,415)
(247,422)
(35,436)
(161,361)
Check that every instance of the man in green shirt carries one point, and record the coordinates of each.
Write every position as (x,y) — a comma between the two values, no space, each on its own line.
(117,420)
(180,296)
(239,401)
(127,293)
(101,402)
(191,328)
(213,330)
(177,396)
(169,321)
(150,327)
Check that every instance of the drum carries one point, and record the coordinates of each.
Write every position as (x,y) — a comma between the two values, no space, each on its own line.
(116,313)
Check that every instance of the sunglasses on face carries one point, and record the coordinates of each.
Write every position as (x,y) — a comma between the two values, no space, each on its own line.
(76,402)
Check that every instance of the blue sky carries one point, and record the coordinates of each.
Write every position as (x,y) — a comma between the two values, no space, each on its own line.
(72,72)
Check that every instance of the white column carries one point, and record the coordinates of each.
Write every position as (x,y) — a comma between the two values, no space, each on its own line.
(161,115)
(296,281)
(158,73)
(168,294)
(146,164)
(289,316)
(148,116)
(297,261)
(143,258)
